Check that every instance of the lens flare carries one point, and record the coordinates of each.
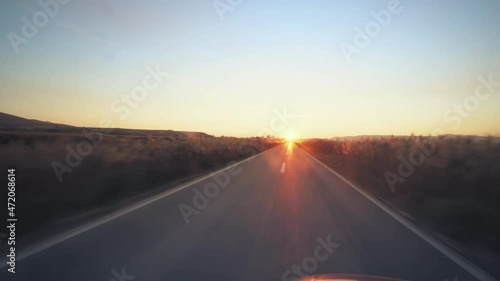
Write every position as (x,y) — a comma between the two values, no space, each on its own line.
(290,137)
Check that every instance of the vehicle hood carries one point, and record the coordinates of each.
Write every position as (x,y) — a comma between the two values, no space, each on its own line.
(346,277)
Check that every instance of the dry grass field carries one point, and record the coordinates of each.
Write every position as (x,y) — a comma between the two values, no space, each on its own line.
(96,169)
(453,189)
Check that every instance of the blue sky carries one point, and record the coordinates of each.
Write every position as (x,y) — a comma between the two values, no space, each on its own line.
(229,76)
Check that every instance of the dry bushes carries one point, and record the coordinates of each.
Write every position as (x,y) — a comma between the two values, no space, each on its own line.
(455,190)
(123,164)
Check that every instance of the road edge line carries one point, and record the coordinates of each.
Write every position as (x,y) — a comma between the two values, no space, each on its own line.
(460,260)
(57,239)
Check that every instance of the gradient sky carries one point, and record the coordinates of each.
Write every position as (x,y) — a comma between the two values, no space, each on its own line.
(230,76)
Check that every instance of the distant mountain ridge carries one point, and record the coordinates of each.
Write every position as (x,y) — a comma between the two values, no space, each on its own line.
(8,121)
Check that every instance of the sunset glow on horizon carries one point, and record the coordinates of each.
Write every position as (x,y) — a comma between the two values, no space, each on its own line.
(263,68)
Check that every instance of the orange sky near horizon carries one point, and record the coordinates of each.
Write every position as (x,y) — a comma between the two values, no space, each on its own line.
(265,69)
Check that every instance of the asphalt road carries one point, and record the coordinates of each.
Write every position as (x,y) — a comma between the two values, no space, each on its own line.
(280,215)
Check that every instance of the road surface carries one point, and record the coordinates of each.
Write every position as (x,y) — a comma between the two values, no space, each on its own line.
(280,215)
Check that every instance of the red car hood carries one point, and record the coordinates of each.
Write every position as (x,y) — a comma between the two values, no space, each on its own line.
(346,277)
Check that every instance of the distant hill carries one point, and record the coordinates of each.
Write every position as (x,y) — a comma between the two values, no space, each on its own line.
(8,121)
(383,137)
(476,139)
(367,137)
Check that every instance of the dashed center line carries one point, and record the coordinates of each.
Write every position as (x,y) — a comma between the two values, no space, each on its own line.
(283,167)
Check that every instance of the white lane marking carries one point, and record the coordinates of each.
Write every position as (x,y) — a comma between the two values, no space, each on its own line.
(283,167)
(88,226)
(445,250)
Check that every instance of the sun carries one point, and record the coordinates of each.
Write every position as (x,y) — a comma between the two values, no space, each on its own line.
(290,137)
